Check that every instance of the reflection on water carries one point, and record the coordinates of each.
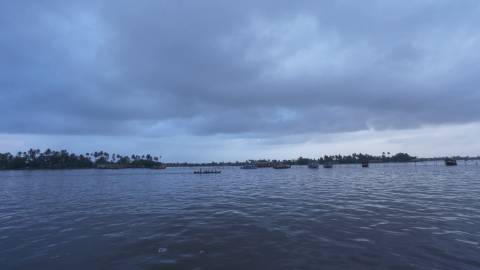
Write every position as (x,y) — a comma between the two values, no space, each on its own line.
(386,217)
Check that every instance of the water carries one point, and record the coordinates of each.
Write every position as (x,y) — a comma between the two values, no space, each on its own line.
(385,217)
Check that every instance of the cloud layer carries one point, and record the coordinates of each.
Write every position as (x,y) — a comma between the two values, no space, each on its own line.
(246,69)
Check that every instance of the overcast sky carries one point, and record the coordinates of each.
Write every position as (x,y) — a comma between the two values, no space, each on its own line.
(201,80)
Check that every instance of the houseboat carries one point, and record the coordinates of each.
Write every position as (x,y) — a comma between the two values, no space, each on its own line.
(263,164)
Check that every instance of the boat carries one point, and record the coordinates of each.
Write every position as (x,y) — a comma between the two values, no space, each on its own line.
(313,165)
(365,164)
(263,164)
(207,171)
(249,167)
(450,162)
(159,167)
(281,166)
(328,165)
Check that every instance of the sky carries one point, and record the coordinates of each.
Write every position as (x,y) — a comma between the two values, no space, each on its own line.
(203,80)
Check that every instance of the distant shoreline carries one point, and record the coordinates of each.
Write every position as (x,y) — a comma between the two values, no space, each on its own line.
(167,165)
(34,159)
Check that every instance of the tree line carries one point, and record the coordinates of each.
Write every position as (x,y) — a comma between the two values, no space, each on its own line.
(337,159)
(49,159)
(357,158)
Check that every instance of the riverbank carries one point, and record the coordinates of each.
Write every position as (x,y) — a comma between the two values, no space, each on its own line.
(34,159)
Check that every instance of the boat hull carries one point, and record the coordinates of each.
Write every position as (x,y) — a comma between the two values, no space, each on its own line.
(207,172)
(450,162)
(249,167)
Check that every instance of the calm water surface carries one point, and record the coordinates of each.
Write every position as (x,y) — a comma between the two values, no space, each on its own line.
(385,217)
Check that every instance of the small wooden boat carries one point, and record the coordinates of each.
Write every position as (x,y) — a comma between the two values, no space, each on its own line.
(281,166)
(450,162)
(328,165)
(365,164)
(208,171)
(313,165)
(249,167)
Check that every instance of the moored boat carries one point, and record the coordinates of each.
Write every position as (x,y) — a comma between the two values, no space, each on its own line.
(249,167)
(263,164)
(281,166)
(328,165)
(313,165)
(450,162)
(365,164)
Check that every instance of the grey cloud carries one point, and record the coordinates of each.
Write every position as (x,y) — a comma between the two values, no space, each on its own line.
(248,68)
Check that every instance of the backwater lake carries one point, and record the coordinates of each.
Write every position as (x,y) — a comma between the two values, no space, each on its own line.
(388,216)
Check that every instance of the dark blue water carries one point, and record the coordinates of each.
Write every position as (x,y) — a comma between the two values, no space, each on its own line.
(384,217)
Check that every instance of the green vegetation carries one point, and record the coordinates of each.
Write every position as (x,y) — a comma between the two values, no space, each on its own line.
(357,158)
(35,159)
(336,159)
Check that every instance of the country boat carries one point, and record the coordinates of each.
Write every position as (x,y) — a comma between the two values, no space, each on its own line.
(450,162)
(313,165)
(207,171)
(281,166)
(365,164)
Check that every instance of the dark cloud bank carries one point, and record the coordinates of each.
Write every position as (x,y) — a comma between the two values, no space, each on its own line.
(257,68)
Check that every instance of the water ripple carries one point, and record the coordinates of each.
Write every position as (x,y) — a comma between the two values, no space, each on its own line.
(385,217)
